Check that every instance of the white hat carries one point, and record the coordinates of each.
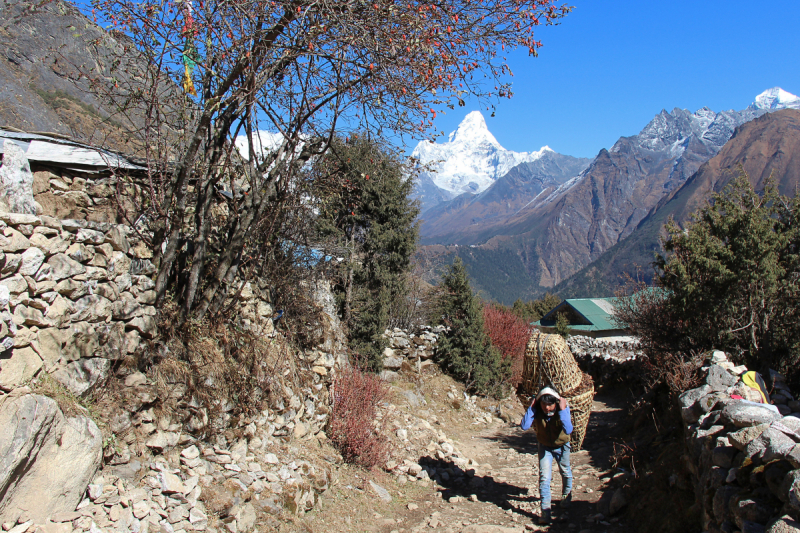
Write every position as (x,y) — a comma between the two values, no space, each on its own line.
(547,390)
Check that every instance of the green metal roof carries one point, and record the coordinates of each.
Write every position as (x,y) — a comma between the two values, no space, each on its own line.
(597,312)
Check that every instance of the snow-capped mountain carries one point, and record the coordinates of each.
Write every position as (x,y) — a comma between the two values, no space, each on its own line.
(471,160)
(672,131)
(564,229)
(775,98)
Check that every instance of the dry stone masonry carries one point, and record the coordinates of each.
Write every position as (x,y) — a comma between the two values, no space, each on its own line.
(409,352)
(74,296)
(744,457)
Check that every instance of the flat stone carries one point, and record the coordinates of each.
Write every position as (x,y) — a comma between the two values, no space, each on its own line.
(135,379)
(118,264)
(784,524)
(117,239)
(382,493)
(59,311)
(719,379)
(80,252)
(9,263)
(16,284)
(90,236)
(12,240)
(145,325)
(64,266)
(171,484)
(81,376)
(32,259)
(745,414)
(29,316)
(92,308)
(21,367)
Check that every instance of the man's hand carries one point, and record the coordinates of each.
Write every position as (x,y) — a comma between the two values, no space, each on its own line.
(562,403)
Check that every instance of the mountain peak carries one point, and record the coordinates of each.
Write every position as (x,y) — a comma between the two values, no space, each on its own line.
(776,98)
(473,129)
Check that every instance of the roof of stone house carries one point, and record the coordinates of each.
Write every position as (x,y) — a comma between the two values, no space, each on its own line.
(61,151)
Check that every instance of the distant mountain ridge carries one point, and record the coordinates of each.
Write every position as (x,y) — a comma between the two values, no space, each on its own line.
(764,147)
(562,231)
(468,215)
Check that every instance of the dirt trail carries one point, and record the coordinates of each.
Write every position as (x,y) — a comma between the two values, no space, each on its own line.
(506,495)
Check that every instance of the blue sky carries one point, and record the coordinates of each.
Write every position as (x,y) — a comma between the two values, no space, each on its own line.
(613,64)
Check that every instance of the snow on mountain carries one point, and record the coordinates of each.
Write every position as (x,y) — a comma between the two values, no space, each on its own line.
(776,98)
(471,159)
(670,132)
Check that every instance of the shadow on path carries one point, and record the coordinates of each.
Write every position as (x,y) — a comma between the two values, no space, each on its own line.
(608,410)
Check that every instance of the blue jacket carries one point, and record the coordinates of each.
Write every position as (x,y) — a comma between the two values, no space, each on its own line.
(530,419)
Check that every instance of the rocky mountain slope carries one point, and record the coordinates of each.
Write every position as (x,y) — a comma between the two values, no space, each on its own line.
(467,214)
(767,146)
(559,233)
(44,46)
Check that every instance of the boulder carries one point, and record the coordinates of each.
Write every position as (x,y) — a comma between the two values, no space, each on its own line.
(16,181)
(46,459)
(745,414)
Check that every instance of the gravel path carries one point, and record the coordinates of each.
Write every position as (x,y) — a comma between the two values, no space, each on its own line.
(503,494)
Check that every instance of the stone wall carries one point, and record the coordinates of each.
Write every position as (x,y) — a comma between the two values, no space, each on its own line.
(744,457)
(409,352)
(74,296)
(609,363)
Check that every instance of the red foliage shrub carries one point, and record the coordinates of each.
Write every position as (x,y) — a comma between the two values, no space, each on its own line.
(509,334)
(356,395)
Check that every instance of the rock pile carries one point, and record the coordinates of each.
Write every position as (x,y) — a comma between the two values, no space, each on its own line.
(744,457)
(198,488)
(74,295)
(409,352)
(422,452)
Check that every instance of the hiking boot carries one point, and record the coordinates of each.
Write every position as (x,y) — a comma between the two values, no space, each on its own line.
(566,501)
(544,518)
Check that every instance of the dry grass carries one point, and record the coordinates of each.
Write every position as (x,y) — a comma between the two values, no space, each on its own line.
(69,404)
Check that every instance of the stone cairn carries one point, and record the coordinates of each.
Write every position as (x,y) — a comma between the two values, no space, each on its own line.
(744,457)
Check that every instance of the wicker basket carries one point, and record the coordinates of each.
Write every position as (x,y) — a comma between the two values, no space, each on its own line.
(549,363)
(580,407)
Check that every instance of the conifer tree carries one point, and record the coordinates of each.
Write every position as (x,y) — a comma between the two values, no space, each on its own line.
(730,280)
(371,217)
(465,350)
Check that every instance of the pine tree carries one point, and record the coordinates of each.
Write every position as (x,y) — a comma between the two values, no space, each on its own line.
(729,281)
(562,325)
(465,350)
(371,217)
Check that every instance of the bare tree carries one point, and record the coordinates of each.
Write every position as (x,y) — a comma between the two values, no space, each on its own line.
(300,69)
